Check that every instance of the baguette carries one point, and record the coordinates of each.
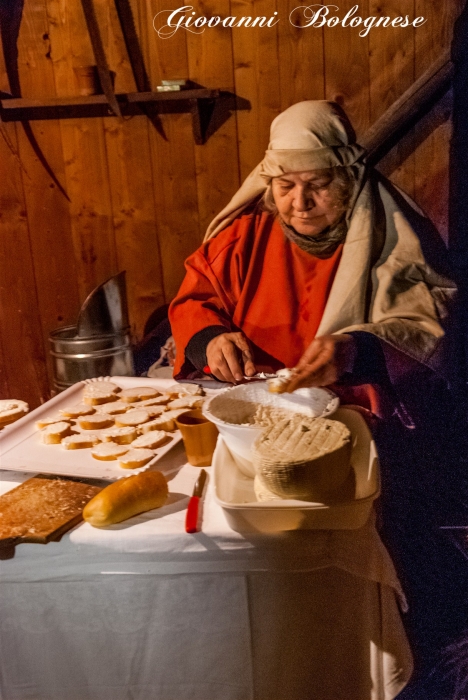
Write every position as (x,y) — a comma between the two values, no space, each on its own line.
(126,498)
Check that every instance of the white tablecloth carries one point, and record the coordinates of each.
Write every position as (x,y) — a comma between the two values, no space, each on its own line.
(143,611)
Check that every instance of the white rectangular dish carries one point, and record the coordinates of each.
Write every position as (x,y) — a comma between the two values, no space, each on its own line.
(234,491)
(21,448)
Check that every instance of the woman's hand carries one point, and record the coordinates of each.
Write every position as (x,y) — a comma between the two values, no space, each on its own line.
(229,357)
(324,361)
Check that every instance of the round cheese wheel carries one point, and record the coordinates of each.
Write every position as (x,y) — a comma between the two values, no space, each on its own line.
(303,458)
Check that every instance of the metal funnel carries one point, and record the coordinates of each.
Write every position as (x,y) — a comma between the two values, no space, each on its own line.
(105,309)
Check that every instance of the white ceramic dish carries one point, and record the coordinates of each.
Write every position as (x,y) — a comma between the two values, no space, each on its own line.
(234,491)
(21,448)
(220,409)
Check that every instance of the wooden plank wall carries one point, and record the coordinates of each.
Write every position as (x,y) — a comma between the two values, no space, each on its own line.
(140,200)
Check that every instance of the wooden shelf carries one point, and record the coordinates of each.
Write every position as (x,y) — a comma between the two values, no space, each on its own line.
(199,102)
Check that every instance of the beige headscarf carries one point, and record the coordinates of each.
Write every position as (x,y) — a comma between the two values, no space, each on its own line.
(307,136)
(383,284)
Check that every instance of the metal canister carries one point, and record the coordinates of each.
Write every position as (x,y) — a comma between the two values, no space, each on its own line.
(76,358)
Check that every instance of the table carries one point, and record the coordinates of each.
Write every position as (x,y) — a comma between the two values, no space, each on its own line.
(143,611)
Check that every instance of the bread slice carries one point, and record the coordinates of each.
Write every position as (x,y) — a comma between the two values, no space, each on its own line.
(135,458)
(132,418)
(81,409)
(138,393)
(152,440)
(107,451)
(54,433)
(121,436)
(80,441)
(96,421)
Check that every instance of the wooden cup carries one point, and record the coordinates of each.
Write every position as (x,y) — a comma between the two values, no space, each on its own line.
(199,436)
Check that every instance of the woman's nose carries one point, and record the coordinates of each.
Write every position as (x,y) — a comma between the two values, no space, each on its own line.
(301,200)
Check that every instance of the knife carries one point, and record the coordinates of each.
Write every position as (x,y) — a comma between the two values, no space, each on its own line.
(191,518)
(100,56)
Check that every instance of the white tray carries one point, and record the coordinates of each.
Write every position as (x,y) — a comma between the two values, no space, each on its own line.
(21,448)
(234,491)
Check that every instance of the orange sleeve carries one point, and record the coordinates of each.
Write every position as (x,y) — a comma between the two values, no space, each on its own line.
(200,302)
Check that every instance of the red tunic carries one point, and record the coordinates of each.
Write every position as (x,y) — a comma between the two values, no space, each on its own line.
(252,278)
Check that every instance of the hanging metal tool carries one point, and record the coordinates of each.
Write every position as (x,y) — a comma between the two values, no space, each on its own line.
(100,56)
(137,63)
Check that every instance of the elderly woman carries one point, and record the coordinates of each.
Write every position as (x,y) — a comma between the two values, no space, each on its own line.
(314,264)
(317,263)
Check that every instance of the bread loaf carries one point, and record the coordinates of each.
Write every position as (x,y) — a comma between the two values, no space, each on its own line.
(125,498)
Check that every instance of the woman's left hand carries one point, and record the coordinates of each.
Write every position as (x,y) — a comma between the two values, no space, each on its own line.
(324,361)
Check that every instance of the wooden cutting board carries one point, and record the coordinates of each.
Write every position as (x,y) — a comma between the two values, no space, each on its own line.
(43,508)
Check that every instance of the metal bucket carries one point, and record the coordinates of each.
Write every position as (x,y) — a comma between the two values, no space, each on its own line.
(76,358)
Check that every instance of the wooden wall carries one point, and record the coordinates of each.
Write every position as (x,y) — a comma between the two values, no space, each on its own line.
(140,201)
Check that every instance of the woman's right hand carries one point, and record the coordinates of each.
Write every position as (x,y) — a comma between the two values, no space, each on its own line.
(229,357)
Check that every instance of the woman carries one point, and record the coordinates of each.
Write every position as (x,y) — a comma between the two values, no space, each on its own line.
(314,264)
(321,264)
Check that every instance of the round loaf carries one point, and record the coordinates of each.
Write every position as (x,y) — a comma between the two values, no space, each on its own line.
(126,498)
(303,458)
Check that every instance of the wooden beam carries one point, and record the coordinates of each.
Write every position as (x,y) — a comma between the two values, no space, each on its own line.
(199,100)
(410,107)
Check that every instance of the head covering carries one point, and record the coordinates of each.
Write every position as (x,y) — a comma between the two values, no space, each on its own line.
(384,284)
(310,135)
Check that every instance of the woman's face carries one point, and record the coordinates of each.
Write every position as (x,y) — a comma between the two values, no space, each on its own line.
(306,201)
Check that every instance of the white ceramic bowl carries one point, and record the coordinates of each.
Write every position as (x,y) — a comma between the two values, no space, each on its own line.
(230,411)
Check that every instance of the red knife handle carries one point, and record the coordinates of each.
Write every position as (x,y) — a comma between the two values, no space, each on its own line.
(191,518)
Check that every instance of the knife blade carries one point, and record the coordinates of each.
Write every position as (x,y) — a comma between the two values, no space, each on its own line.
(100,56)
(191,518)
